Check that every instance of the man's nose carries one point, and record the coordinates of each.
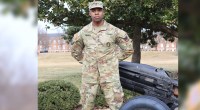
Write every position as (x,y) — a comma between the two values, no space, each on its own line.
(96,12)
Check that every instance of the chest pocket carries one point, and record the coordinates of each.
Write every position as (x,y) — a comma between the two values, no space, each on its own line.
(88,40)
(107,39)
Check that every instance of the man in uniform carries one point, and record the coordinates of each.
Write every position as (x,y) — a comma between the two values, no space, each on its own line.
(94,46)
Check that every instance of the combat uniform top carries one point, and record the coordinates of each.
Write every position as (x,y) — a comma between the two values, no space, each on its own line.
(101,43)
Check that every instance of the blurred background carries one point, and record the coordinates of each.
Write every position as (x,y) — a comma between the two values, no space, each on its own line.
(18,55)
(189,54)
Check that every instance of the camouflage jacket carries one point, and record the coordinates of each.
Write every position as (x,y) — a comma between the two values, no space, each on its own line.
(91,45)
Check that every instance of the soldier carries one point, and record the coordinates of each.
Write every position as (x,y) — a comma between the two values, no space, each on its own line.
(94,46)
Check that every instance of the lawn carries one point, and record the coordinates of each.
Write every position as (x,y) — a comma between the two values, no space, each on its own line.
(61,66)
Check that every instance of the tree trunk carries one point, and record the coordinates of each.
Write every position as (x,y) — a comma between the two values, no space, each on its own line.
(136,57)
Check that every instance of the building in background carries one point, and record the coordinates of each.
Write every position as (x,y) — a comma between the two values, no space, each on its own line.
(162,45)
(52,43)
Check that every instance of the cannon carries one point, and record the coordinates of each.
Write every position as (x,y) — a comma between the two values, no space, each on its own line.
(159,91)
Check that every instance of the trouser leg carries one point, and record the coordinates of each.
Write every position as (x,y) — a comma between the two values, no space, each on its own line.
(113,94)
(88,95)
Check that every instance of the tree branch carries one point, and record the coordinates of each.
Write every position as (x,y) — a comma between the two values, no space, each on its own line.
(165,29)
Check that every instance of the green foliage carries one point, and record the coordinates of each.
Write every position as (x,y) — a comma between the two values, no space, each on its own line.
(71,30)
(130,15)
(126,14)
(57,95)
(17,7)
(189,58)
(189,68)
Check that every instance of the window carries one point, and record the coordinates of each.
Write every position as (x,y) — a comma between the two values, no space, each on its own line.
(63,47)
(167,45)
(40,42)
(54,41)
(173,45)
(161,45)
(59,47)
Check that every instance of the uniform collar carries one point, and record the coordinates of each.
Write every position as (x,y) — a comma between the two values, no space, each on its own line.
(102,28)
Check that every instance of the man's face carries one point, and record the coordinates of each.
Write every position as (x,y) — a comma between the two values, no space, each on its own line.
(96,14)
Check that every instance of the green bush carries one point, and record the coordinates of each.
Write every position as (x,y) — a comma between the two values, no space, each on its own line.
(57,95)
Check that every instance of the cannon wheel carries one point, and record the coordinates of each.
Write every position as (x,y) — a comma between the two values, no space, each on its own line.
(144,103)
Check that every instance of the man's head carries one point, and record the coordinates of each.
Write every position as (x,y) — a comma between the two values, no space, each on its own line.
(96,11)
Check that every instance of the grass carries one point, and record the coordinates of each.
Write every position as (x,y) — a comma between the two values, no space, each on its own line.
(61,66)
(166,60)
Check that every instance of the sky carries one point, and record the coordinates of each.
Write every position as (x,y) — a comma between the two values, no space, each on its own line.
(53,29)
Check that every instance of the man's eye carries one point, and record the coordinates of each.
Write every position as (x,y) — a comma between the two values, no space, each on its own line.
(99,9)
(92,10)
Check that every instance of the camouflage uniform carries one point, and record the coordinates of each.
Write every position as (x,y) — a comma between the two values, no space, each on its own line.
(96,49)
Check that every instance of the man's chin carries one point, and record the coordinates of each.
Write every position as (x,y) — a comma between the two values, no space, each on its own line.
(97,20)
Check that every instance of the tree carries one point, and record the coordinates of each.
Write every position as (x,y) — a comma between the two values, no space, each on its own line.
(18,7)
(129,15)
(71,30)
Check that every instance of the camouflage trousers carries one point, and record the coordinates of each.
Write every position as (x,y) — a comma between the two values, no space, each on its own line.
(112,91)
(106,79)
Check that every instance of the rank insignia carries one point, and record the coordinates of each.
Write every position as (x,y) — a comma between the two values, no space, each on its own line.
(126,38)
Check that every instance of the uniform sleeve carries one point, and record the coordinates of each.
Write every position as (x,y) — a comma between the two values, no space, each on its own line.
(77,47)
(125,44)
